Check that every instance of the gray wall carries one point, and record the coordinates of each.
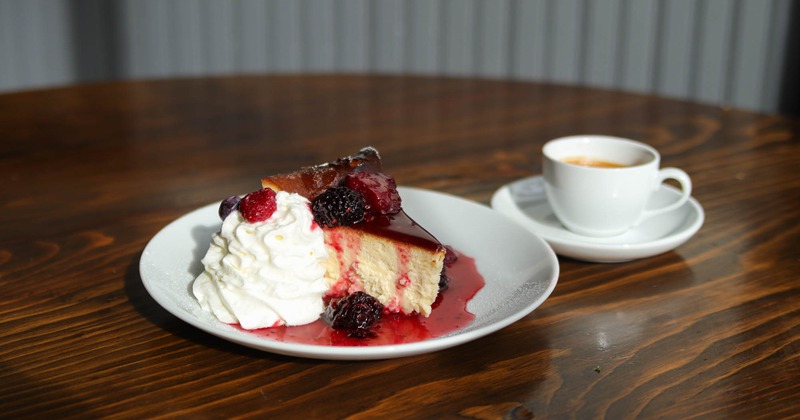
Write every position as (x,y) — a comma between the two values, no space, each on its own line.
(726,52)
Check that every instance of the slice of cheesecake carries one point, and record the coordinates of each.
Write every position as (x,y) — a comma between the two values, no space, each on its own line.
(387,254)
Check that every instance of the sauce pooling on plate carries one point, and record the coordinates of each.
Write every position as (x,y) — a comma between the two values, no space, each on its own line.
(449,314)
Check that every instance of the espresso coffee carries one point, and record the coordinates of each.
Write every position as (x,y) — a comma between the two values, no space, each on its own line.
(591,162)
(600,186)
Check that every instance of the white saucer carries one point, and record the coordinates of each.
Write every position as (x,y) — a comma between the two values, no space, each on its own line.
(525,202)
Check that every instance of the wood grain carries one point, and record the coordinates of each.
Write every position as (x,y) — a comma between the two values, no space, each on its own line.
(90,173)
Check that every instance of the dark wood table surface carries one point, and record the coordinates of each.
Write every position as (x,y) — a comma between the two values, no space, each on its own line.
(91,173)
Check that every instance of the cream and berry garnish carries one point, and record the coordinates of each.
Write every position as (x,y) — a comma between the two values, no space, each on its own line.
(265,267)
(329,243)
(382,258)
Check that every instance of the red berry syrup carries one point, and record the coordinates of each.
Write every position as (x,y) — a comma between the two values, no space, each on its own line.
(449,314)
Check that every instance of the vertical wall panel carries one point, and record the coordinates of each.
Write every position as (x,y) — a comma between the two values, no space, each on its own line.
(751,39)
(320,32)
(219,19)
(287,35)
(124,40)
(57,40)
(148,37)
(492,42)
(187,46)
(31,68)
(639,45)
(353,35)
(718,51)
(9,43)
(92,27)
(602,43)
(156,38)
(777,55)
(424,36)
(675,49)
(37,39)
(459,37)
(530,39)
(387,30)
(565,58)
(253,36)
(711,65)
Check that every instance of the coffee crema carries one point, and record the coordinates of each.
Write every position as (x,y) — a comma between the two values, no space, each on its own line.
(592,162)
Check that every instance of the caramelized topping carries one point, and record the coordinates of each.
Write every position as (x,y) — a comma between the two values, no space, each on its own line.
(311,181)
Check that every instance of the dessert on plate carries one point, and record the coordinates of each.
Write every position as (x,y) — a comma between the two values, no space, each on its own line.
(328,240)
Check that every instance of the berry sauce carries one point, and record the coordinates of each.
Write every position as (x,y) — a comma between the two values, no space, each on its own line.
(400,227)
(449,314)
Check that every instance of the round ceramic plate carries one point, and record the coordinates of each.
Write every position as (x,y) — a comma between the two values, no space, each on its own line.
(525,201)
(520,271)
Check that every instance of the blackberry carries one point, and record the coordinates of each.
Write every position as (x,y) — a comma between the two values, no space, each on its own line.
(355,313)
(444,281)
(339,206)
(450,257)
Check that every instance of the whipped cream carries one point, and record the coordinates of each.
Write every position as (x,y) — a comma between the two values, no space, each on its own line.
(268,273)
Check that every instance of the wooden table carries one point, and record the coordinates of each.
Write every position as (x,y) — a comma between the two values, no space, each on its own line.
(91,173)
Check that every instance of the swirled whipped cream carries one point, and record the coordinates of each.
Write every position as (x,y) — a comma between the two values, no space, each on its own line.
(268,273)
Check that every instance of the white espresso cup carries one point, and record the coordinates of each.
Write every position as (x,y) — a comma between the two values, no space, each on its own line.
(600,185)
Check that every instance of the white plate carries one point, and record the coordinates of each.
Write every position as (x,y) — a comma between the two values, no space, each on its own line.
(525,202)
(520,271)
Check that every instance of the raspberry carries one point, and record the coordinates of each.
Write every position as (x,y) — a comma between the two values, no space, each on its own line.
(356,313)
(379,191)
(338,206)
(258,206)
(228,205)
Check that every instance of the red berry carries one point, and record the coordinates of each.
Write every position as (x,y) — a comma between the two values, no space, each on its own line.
(379,191)
(258,206)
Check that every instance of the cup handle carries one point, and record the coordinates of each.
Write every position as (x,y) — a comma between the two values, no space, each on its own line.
(686,188)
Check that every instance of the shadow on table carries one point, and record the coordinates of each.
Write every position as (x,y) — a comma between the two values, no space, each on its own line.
(52,397)
(161,318)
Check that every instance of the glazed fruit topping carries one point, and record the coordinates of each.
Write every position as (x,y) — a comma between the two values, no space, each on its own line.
(356,313)
(258,206)
(379,191)
(311,181)
(338,206)
(228,205)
